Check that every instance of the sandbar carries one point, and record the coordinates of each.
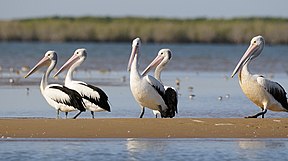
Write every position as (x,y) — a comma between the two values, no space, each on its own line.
(144,128)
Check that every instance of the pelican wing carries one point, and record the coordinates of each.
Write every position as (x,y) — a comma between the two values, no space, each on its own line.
(156,85)
(275,89)
(172,98)
(64,95)
(94,95)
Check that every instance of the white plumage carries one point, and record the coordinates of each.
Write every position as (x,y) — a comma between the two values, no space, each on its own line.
(58,96)
(95,99)
(264,93)
(147,90)
(161,60)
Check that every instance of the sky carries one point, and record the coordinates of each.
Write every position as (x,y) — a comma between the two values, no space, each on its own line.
(18,9)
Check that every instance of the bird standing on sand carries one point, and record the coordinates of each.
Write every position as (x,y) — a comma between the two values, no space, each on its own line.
(94,98)
(162,59)
(147,90)
(58,96)
(264,93)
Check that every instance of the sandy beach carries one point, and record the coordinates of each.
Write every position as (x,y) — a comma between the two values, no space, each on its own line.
(144,128)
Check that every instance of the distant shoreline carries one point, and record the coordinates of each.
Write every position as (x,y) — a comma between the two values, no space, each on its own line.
(156,30)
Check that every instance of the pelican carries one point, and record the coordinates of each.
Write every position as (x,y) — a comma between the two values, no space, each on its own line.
(162,59)
(58,96)
(264,93)
(147,90)
(94,98)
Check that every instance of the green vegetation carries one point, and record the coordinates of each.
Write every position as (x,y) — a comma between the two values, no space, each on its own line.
(106,29)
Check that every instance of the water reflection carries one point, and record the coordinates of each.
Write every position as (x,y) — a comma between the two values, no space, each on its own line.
(144,149)
(252,144)
(154,148)
(261,149)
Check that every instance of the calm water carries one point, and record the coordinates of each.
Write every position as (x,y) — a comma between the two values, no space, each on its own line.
(114,56)
(204,68)
(215,96)
(144,149)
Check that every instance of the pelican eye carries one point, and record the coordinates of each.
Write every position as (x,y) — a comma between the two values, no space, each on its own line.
(255,42)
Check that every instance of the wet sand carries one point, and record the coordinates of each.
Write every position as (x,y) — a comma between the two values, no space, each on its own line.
(144,128)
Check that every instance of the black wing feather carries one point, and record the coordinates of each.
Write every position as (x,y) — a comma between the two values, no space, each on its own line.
(75,98)
(171,109)
(279,94)
(172,98)
(102,101)
(161,93)
(171,101)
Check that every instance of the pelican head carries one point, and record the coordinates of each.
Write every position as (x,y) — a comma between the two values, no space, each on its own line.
(135,50)
(45,61)
(77,58)
(254,50)
(163,57)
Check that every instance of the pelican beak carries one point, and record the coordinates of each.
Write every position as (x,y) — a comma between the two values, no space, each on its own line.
(153,64)
(43,62)
(246,56)
(68,64)
(133,53)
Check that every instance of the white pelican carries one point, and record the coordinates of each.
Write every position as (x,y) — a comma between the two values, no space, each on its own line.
(147,90)
(162,59)
(58,96)
(94,98)
(264,93)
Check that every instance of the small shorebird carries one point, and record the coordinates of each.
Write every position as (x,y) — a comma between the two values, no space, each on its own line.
(264,93)
(94,98)
(58,96)
(161,60)
(147,90)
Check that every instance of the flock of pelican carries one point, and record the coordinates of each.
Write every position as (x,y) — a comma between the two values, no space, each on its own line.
(149,91)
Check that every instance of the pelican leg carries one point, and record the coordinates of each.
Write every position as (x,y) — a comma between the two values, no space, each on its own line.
(142,112)
(57,113)
(264,111)
(258,114)
(77,115)
(156,116)
(92,113)
(66,114)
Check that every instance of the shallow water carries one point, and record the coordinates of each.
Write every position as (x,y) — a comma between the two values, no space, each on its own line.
(203,71)
(215,96)
(143,149)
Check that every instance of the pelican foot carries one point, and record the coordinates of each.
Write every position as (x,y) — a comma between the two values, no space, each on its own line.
(253,116)
(262,113)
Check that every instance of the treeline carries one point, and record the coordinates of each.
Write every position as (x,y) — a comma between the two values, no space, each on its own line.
(106,29)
